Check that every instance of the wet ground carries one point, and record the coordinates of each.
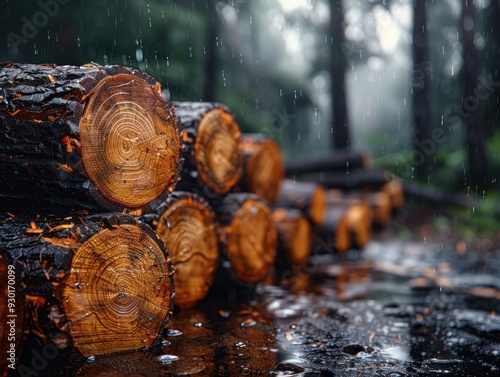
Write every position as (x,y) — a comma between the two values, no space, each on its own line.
(419,300)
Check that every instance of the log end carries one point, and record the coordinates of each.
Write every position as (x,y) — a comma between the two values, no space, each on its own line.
(251,241)
(264,167)
(130,141)
(218,150)
(187,228)
(118,295)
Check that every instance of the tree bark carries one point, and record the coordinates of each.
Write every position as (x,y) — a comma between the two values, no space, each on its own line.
(92,137)
(475,143)
(247,236)
(341,161)
(102,284)
(338,64)
(305,196)
(213,153)
(263,167)
(187,226)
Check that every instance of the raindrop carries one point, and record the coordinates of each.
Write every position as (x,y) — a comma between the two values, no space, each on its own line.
(139,55)
(90,359)
(165,343)
(167,358)
(198,324)
(173,332)
(248,323)
(239,345)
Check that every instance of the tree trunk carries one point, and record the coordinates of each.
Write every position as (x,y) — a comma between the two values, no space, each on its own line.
(295,236)
(213,153)
(92,137)
(342,162)
(187,226)
(103,283)
(247,235)
(475,144)
(305,196)
(420,86)
(263,167)
(338,64)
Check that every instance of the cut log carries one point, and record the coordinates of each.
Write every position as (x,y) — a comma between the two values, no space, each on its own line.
(248,236)
(306,196)
(92,137)
(213,153)
(187,226)
(102,284)
(295,236)
(355,180)
(381,205)
(340,161)
(263,167)
(358,216)
(333,232)
(396,193)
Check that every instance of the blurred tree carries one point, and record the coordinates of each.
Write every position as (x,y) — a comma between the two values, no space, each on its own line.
(472,107)
(422,142)
(338,67)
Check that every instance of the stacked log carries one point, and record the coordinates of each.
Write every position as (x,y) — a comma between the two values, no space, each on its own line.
(212,148)
(98,138)
(187,226)
(248,237)
(102,283)
(263,165)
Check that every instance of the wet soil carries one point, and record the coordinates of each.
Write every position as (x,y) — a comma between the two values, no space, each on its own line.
(419,300)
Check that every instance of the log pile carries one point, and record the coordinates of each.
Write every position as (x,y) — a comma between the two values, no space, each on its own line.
(108,189)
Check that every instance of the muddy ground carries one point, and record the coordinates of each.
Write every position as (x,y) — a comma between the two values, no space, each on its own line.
(419,300)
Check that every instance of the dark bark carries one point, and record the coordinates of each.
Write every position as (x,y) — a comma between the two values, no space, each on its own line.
(338,68)
(52,154)
(341,161)
(212,153)
(307,197)
(85,280)
(420,84)
(355,180)
(333,234)
(473,108)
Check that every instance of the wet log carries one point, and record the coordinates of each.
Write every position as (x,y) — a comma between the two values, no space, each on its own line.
(333,234)
(263,167)
(187,226)
(212,149)
(295,236)
(358,179)
(102,284)
(247,236)
(358,216)
(306,196)
(340,161)
(93,137)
